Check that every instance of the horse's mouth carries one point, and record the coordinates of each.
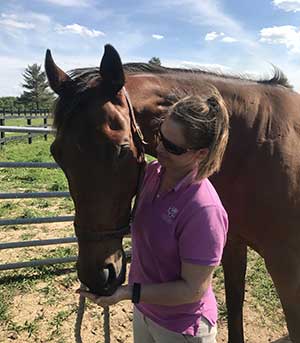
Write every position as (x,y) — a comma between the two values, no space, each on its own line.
(108,290)
(111,280)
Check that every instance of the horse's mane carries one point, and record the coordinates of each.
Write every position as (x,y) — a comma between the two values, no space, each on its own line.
(278,77)
(82,78)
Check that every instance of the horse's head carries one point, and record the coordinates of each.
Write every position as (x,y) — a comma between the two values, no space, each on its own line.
(97,146)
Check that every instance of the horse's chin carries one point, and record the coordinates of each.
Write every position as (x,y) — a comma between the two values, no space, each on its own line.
(104,291)
(110,287)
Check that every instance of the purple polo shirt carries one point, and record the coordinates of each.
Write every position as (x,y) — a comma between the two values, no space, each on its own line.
(186,224)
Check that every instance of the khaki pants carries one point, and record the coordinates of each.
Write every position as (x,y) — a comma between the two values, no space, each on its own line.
(146,331)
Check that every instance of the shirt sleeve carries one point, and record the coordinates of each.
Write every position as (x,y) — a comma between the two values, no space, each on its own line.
(202,236)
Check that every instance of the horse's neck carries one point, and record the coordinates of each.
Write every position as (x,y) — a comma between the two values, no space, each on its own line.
(150,93)
(147,94)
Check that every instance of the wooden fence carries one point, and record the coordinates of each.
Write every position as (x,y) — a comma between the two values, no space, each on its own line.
(28,115)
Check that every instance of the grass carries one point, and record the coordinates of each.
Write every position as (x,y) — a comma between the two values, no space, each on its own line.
(262,289)
(13,283)
(28,179)
(4,306)
(32,208)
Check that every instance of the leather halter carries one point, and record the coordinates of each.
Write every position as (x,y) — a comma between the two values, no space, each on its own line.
(138,139)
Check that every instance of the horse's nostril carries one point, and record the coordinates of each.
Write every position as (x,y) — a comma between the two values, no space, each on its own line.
(106,275)
(109,273)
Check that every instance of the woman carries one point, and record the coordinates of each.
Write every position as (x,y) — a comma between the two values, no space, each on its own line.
(180,227)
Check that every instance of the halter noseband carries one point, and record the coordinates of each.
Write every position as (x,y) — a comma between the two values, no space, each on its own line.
(138,139)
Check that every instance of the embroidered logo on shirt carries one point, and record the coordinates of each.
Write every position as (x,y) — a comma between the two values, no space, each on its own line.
(172,211)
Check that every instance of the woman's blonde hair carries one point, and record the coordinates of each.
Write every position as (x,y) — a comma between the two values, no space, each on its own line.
(205,122)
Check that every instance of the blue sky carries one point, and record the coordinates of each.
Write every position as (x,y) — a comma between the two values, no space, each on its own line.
(233,36)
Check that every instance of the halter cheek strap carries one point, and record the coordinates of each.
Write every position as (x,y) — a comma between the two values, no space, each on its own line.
(86,235)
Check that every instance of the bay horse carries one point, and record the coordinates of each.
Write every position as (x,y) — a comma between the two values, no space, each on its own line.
(98,146)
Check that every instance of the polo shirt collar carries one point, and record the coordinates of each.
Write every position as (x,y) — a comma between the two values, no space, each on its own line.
(186,180)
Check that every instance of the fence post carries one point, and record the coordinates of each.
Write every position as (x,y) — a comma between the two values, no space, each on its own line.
(45,124)
(2,123)
(29,133)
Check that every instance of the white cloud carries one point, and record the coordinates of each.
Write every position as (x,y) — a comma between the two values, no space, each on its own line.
(214,67)
(288,5)
(215,35)
(228,40)
(70,3)
(158,37)
(284,35)
(211,35)
(11,21)
(38,18)
(80,30)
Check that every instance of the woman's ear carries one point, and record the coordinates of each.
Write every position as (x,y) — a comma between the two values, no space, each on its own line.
(202,153)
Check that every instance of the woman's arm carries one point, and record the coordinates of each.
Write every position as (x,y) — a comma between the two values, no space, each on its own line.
(194,282)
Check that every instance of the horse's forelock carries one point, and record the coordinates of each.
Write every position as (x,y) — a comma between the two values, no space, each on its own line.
(84,82)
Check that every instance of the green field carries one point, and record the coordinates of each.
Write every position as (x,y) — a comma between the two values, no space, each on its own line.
(53,284)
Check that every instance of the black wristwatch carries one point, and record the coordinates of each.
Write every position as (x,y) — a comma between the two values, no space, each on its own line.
(136,293)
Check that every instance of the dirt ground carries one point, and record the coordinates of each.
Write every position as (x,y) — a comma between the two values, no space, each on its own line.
(46,310)
(29,306)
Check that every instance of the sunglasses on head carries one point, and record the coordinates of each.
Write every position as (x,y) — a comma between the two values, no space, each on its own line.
(169,146)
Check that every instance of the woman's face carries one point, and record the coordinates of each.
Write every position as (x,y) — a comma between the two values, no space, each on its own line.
(171,134)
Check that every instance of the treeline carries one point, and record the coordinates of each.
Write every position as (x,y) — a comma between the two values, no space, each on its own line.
(13,102)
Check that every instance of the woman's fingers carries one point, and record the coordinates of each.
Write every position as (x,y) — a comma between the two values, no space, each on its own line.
(87,294)
(102,301)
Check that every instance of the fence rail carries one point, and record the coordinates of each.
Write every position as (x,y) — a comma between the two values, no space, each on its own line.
(29,129)
(31,195)
(7,113)
(50,165)
(26,129)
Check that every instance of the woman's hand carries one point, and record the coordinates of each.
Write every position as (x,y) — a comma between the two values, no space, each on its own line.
(122,293)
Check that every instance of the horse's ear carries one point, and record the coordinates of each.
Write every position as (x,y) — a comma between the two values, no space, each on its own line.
(56,76)
(111,69)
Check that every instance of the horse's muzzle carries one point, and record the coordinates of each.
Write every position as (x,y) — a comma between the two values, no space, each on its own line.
(107,279)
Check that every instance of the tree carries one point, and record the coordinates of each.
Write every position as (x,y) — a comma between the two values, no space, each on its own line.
(36,90)
(155,60)
(8,102)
